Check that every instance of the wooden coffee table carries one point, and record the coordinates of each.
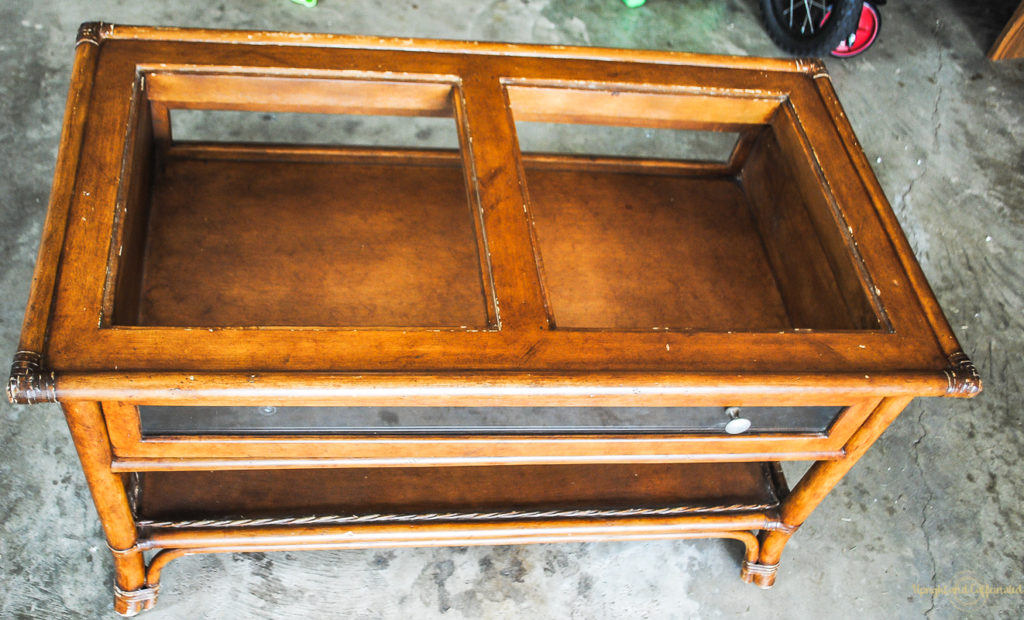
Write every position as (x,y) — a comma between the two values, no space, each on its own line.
(363,338)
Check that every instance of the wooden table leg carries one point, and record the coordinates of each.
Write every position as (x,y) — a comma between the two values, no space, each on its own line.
(812,489)
(89,432)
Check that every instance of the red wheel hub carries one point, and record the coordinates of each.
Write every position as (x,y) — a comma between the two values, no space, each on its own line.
(864,36)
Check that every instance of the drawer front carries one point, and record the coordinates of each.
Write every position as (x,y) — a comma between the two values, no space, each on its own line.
(156,421)
(192,437)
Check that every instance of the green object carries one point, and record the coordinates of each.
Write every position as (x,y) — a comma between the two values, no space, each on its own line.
(312,3)
(630,3)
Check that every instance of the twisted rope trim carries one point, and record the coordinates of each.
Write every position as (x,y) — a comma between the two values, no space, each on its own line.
(457,516)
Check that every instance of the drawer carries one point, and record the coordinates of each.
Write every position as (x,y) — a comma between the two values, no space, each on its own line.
(192,437)
(157,421)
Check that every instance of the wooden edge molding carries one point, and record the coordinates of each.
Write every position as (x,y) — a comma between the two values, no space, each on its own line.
(530,388)
(808,66)
(29,382)
(93,33)
(815,67)
(964,380)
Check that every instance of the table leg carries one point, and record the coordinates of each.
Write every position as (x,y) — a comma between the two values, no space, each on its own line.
(812,489)
(89,432)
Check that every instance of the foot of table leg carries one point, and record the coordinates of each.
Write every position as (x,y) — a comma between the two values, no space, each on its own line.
(131,602)
(761,575)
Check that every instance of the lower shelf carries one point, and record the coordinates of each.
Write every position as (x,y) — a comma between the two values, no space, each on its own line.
(184,513)
(178,500)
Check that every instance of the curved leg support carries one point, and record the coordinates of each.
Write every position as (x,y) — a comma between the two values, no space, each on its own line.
(750,542)
(161,560)
(130,602)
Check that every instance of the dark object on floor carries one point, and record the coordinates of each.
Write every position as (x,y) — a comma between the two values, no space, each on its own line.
(1010,43)
(810,27)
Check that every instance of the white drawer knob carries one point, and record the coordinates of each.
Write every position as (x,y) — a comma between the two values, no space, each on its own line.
(736,424)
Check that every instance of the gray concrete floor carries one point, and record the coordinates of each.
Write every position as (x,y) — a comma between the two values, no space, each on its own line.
(935,503)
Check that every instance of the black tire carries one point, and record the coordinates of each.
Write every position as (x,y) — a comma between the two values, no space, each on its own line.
(791,28)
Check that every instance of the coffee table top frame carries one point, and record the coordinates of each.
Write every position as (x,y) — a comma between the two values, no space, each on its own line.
(67,353)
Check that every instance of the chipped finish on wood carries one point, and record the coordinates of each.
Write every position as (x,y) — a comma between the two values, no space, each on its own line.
(922,292)
(135,302)
(37,312)
(261,37)
(93,33)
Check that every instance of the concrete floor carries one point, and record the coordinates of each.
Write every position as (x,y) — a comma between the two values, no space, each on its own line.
(935,503)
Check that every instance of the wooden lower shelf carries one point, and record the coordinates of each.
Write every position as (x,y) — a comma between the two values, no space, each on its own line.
(184,513)
(176,500)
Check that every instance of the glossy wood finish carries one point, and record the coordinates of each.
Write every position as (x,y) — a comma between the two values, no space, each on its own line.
(83,341)
(229,274)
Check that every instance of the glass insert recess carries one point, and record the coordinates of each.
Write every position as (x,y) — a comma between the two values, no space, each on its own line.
(297,202)
(679,211)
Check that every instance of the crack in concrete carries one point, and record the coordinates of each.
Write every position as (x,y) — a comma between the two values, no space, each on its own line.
(936,121)
(936,128)
(930,495)
(924,510)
